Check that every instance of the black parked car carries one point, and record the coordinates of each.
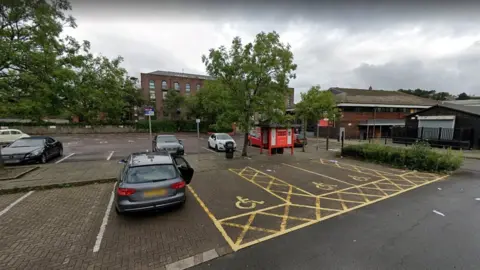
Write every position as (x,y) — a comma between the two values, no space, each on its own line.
(32,149)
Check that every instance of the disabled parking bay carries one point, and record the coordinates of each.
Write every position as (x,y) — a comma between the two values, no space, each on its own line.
(258,204)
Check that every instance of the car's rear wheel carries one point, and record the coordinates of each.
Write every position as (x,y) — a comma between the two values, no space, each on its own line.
(43,159)
(216,148)
(249,143)
(60,152)
(117,211)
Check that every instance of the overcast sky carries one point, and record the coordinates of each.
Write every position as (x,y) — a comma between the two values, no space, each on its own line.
(388,46)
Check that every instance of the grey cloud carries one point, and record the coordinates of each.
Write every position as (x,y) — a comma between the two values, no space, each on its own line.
(454,74)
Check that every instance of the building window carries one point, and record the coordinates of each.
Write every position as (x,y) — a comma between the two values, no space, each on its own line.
(165,95)
(198,87)
(164,85)
(152,95)
(176,86)
(152,84)
(187,88)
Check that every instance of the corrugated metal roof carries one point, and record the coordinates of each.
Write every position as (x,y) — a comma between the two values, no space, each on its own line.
(468,109)
(365,96)
(181,75)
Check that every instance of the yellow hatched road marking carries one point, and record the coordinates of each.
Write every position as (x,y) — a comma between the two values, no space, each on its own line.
(245,229)
(249,213)
(333,215)
(253,228)
(253,177)
(280,216)
(215,221)
(319,174)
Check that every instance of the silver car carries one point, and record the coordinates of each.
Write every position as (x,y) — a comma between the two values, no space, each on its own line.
(150,181)
(168,143)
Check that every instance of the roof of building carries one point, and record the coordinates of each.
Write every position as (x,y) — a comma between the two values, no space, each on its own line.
(475,110)
(389,97)
(181,74)
(468,102)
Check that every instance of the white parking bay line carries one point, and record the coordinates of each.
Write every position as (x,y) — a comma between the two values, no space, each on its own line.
(110,156)
(209,150)
(58,161)
(14,203)
(96,248)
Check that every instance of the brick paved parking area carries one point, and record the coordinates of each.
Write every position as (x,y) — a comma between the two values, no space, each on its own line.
(58,229)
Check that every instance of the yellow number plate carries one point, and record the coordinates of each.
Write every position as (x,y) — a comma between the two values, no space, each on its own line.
(153,193)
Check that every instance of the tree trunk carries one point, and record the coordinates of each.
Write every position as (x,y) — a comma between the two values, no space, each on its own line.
(304,133)
(245,145)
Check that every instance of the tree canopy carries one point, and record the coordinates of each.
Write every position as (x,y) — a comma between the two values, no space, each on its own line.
(316,104)
(43,74)
(256,76)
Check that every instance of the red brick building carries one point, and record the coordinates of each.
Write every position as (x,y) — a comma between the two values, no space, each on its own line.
(371,113)
(155,86)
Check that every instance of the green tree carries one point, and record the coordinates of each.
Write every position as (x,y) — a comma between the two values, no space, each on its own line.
(463,96)
(100,85)
(213,105)
(315,104)
(34,60)
(255,74)
(173,104)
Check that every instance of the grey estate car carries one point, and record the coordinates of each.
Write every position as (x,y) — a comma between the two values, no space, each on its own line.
(150,181)
(168,143)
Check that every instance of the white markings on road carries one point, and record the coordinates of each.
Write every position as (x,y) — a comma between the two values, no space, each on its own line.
(58,161)
(477,199)
(209,150)
(110,155)
(102,142)
(438,213)
(130,141)
(96,248)
(14,203)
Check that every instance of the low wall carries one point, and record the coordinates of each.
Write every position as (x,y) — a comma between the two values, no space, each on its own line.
(36,130)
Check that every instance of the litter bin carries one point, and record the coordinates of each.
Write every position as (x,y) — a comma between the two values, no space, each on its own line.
(229,150)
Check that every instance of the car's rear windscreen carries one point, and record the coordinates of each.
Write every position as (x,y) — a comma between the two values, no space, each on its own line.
(151,173)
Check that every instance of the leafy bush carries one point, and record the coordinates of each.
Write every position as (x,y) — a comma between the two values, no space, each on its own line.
(418,157)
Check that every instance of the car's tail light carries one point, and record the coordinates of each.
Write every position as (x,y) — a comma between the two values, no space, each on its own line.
(178,185)
(125,191)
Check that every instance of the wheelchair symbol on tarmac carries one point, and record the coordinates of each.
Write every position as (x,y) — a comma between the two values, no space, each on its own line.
(324,186)
(245,203)
(360,178)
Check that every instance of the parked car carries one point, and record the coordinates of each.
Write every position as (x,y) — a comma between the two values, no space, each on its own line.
(300,140)
(168,143)
(254,139)
(151,181)
(32,149)
(218,140)
(10,135)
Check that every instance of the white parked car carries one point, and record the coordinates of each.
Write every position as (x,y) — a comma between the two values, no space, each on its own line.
(11,135)
(218,140)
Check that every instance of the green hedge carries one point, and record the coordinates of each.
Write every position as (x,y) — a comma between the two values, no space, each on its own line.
(419,157)
(180,125)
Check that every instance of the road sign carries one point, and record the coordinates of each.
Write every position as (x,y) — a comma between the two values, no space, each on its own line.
(149,111)
(197,120)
